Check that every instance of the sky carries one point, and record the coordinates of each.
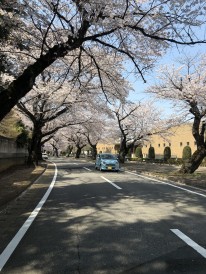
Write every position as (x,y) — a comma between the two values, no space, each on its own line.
(169,58)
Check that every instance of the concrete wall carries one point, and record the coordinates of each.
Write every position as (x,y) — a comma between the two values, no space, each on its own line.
(10,154)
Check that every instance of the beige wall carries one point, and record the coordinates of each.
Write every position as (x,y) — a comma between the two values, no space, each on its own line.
(107,148)
(181,137)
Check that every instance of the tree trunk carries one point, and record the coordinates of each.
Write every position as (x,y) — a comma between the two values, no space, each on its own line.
(39,151)
(23,84)
(94,151)
(69,150)
(35,146)
(122,156)
(56,153)
(78,152)
(123,151)
(194,162)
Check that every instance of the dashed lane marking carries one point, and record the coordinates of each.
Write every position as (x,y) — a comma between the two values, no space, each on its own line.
(111,182)
(190,242)
(87,168)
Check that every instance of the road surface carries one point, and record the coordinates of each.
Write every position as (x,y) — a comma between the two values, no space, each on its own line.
(111,222)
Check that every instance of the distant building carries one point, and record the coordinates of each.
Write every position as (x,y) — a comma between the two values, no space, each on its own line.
(181,136)
(107,148)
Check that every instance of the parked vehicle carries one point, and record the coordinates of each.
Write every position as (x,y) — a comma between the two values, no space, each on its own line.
(107,161)
(44,155)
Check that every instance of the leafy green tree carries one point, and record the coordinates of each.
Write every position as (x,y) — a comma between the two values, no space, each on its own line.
(22,139)
(8,126)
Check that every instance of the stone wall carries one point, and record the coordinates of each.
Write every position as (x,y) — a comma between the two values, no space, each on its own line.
(10,154)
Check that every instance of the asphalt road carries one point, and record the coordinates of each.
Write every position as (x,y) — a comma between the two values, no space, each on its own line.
(109,222)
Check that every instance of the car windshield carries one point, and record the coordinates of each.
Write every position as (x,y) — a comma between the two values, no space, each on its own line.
(108,156)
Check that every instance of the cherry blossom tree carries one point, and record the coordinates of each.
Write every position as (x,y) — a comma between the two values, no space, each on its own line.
(48,108)
(94,131)
(55,144)
(75,136)
(9,22)
(89,132)
(185,87)
(53,100)
(138,31)
(137,122)
(69,150)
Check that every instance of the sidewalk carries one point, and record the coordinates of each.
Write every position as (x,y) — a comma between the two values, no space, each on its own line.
(15,180)
(20,192)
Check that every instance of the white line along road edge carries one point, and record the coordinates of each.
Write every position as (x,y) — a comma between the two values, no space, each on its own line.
(190,242)
(5,255)
(165,183)
(111,182)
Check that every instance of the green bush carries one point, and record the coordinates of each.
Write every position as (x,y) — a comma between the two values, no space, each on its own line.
(167,153)
(186,153)
(129,154)
(22,139)
(133,159)
(151,153)
(138,152)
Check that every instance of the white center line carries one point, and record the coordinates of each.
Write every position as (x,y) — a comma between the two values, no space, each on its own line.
(5,255)
(87,168)
(165,183)
(190,242)
(111,182)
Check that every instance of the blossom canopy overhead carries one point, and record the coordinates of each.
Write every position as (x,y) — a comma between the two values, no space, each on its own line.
(44,31)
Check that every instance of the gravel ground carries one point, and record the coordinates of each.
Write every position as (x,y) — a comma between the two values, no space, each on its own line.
(170,172)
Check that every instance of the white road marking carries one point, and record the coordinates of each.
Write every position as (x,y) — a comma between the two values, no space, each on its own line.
(66,164)
(5,255)
(87,168)
(111,182)
(162,182)
(190,242)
